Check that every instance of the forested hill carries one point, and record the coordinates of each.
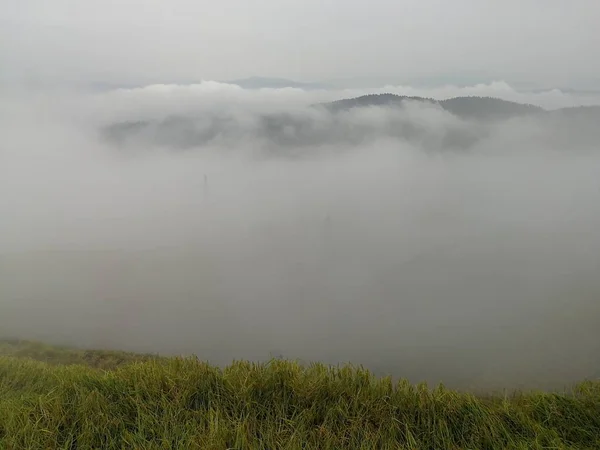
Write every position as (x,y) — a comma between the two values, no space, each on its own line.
(467,107)
(301,128)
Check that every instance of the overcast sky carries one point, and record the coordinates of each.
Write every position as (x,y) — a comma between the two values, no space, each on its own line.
(550,42)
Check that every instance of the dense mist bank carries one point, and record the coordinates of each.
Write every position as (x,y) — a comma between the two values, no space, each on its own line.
(411,240)
(458,123)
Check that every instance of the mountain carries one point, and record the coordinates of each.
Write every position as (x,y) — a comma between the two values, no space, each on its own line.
(465,107)
(326,124)
(487,108)
(373,100)
(589,112)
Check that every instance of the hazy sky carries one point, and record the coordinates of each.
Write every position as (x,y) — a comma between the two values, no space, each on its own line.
(551,42)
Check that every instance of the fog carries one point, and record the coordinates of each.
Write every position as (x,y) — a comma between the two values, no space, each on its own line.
(409,240)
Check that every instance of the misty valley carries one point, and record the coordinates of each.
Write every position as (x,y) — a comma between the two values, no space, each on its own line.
(453,241)
(285,225)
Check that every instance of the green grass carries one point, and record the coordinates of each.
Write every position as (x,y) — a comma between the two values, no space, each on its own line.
(57,355)
(58,398)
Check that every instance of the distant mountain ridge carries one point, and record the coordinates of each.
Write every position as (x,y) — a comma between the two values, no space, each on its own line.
(471,107)
(295,129)
(466,107)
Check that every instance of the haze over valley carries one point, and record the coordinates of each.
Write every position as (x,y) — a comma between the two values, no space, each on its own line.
(452,239)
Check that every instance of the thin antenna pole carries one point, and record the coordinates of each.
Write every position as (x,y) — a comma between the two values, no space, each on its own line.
(206,189)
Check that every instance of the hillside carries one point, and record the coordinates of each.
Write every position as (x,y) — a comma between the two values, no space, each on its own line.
(63,398)
(464,107)
(487,108)
(330,124)
(373,100)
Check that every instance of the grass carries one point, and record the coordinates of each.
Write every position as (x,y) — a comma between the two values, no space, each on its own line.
(59,398)
(57,355)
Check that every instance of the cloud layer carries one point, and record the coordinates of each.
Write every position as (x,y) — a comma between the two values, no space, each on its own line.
(469,262)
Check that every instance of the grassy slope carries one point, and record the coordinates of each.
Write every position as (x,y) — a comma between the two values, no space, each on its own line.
(61,398)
